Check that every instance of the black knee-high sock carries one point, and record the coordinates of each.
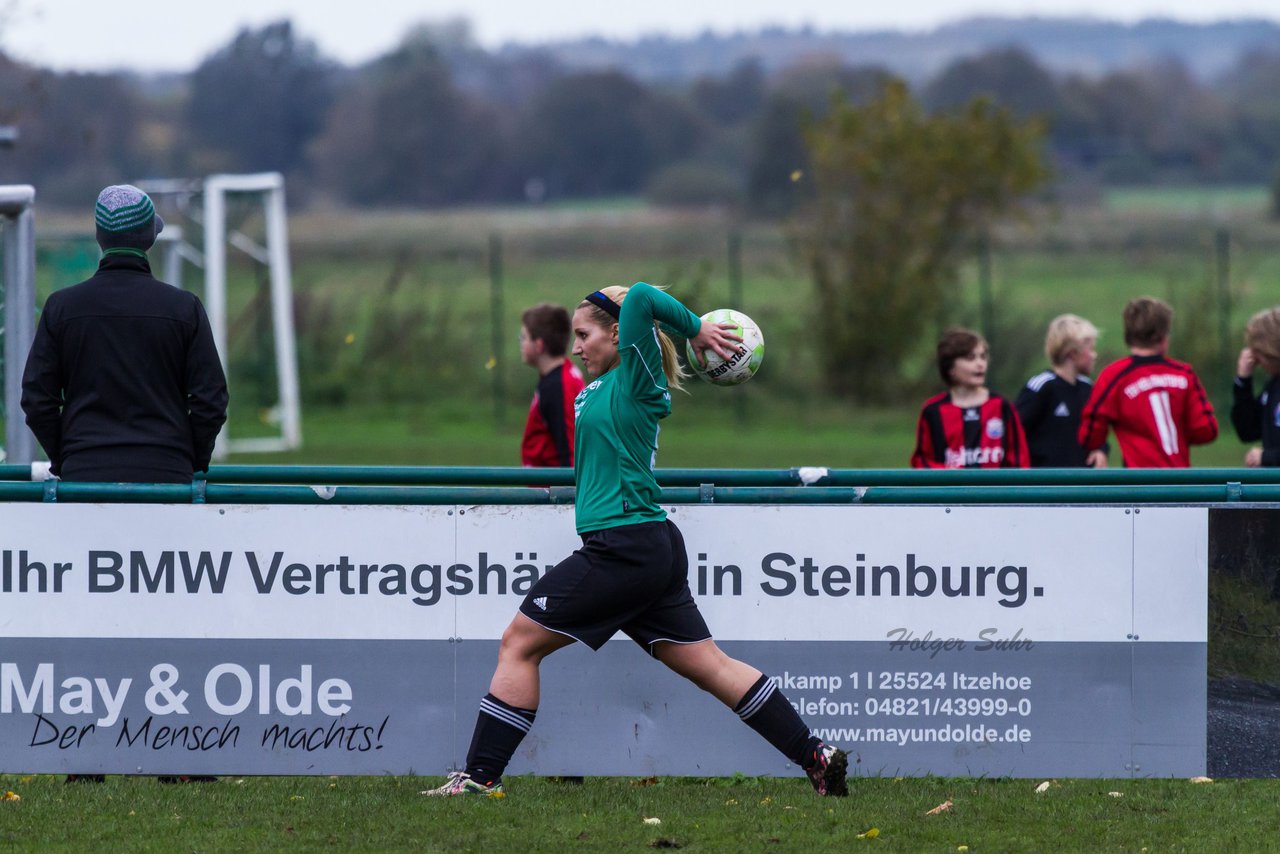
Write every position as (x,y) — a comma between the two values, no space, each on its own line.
(766,710)
(500,727)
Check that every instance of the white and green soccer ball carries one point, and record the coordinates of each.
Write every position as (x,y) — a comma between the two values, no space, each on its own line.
(744,362)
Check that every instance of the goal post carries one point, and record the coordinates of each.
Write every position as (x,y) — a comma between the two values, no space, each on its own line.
(17,220)
(275,256)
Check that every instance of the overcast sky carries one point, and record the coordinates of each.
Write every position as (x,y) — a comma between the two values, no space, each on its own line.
(177,34)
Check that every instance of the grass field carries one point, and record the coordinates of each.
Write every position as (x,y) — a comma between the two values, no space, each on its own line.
(706,430)
(608,814)
(1194,201)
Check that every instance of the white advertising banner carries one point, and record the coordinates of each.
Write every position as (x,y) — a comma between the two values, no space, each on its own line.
(254,632)
(759,573)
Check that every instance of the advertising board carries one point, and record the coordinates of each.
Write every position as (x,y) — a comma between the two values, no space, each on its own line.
(1023,641)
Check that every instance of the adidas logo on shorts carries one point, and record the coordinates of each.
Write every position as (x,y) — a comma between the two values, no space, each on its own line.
(541,602)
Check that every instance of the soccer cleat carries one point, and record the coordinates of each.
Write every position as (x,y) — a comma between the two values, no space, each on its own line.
(461,783)
(827,771)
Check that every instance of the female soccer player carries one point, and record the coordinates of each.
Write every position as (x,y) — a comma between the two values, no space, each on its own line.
(631,573)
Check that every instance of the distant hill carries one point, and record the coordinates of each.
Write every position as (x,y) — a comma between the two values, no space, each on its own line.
(1065,45)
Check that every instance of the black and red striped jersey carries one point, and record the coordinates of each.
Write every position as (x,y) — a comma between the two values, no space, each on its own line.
(548,431)
(988,436)
(1157,407)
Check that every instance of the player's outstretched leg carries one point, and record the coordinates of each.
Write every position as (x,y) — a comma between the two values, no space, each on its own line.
(766,710)
(500,727)
(761,705)
(501,724)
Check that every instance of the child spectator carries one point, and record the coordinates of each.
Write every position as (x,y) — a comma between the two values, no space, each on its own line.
(1051,402)
(1259,417)
(548,432)
(967,426)
(1156,405)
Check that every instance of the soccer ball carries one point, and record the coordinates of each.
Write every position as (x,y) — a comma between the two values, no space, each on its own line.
(744,363)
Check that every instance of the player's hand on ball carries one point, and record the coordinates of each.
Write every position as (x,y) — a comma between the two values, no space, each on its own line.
(728,348)
(719,338)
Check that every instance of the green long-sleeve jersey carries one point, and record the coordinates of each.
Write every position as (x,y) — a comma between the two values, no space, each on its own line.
(616,417)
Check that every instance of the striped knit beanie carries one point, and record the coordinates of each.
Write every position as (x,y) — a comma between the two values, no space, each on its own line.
(126,218)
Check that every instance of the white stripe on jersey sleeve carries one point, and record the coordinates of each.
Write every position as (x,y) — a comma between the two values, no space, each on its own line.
(1037,382)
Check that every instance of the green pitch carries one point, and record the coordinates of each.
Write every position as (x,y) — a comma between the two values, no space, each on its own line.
(609,814)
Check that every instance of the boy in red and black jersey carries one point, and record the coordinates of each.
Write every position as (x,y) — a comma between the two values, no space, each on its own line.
(967,426)
(548,432)
(1156,405)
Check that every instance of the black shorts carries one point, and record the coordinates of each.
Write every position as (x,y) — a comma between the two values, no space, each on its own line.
(634,579)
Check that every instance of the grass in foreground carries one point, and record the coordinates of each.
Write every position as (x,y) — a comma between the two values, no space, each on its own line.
(733,814)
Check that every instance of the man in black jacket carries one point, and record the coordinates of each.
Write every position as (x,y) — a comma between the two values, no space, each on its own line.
(123,382)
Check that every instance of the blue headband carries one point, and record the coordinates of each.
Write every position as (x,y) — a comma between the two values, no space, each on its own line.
(601,301)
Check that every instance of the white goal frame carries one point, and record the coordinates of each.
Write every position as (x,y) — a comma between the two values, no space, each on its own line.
(214,189)
(270,185)
(17,221)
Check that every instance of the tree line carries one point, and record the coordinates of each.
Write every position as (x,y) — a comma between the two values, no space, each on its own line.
(439,121)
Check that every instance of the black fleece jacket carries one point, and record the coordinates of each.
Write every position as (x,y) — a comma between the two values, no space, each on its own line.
(123,382)
(1258,417)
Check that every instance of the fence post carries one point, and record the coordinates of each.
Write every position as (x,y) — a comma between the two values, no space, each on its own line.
(1222,255)
(986,302)
(736,301)
(498,361)
(735,270)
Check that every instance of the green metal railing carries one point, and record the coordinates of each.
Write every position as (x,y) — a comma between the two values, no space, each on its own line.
(514,476)
(263,484)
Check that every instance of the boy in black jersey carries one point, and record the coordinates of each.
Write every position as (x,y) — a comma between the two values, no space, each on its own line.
(1259,417)
(1051,402)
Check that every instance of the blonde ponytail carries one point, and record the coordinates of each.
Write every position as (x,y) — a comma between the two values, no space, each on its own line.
(671,366)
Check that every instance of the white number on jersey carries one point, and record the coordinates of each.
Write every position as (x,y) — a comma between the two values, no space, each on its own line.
(1167,427)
